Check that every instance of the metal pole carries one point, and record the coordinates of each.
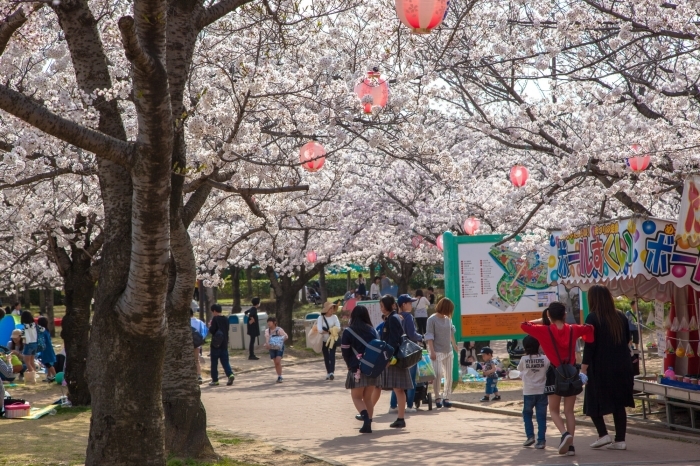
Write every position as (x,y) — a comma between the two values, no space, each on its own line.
(639,328)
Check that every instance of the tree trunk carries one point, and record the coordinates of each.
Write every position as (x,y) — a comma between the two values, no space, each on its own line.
(48,299)
(42,302)
(372,272)
(203,314)
(349,286)
(26,297)
(285,311)
(304,299)
(322,285)
(236,287)
(249,281)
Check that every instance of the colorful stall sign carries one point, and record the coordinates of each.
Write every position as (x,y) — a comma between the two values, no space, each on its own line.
(494,289)
(688,233)
(634,253)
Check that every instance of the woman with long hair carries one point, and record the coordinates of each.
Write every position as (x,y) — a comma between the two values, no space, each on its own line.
(608,364)
(30,335)
(361,387)
(440,337)
(558,341)
(394,378)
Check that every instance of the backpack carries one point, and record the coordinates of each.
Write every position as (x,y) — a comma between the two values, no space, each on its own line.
(197,339)
(567,381)
(376,356)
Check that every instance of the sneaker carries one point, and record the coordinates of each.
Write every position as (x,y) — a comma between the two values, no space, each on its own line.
(213,384)
(393,410)
(540,444)
(438,404)
(485,398)
(331,376)
(571,451)
(398,424)
(328,377)
(446,403)
(231,378)
(199,380)
(566,441)
(529,442)
(617,446)
(279,379)
(602,441)
(497,398)
(253,358)
(411,410)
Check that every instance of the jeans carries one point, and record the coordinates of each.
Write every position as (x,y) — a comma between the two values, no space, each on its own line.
(220,354)
(410,394)
(620,419)
(328,358)
(538,403)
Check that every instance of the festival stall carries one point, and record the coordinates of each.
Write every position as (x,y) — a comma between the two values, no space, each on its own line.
(642,258)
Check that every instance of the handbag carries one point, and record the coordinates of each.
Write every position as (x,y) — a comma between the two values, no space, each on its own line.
(276,342)
(314,339)
(567,381)
(408,354)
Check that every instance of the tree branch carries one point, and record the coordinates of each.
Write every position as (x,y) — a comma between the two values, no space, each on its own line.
(134,53)
(218,11)
(253,191)
(8,27)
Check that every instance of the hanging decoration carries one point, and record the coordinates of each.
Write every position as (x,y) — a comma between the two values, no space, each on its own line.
(689,353)
(680,351)
(438,242)
(669,347)
(373,91)
(421,16)
(693,324)
(312,156)
(519,175)
(638,163)
(684,325)
(471,225)
(311,257)
(675,326)
(667,322)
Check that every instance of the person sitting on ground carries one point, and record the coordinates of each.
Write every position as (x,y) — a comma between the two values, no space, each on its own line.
(274,341)
(48,356)
(467,356)
(6,373)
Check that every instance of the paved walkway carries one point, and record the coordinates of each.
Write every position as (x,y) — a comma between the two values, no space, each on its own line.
(309,414)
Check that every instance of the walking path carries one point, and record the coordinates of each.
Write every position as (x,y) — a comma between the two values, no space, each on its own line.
(309,414)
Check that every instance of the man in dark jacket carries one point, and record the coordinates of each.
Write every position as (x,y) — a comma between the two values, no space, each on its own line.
(219,346)
(253,328)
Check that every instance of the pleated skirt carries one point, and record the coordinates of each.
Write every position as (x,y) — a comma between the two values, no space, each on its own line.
(393,377)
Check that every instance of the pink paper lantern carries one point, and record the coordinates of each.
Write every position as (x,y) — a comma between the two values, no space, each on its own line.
(312,156)
(439,243)
(639,163)
(416,241)
(421,16)
(518,176)
(372,91)
(391,255)
(311,257)
(471,225)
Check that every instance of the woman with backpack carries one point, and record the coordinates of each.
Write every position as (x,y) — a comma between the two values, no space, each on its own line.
(325,324)
(608,364)
(394,378)
(361,387)
(558,342)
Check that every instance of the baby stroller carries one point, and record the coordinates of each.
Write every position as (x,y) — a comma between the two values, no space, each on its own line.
(515,352)
(425,374)
(313,295)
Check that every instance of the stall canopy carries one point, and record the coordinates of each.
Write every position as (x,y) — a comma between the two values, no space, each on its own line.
(635,257)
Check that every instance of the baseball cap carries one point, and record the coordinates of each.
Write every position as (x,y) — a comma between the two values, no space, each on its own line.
(405,298)
(486,350)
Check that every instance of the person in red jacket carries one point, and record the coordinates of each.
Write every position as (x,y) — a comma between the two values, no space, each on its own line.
(564,336)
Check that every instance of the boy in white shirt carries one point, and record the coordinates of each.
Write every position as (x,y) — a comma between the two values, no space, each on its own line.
(533,371)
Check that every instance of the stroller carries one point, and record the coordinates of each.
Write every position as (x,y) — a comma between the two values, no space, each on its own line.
(424,378)
(313,295)
(515,352)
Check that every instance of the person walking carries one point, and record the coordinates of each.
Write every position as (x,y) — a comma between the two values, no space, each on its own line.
(440,337)
(219,346)
(274,341)
(421,312)
(253,328)
(361,286)
(374,291)
(394,378)
(558,342)
(362,388)
(325,324)
(533,372)
(199,333)
(608,364)
(405,303)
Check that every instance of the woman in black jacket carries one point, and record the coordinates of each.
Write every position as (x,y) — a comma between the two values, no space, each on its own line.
(608,364)
(361,387)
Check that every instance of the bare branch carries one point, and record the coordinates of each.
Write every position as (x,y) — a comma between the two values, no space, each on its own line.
(218,11)
(134,53)
(253,191)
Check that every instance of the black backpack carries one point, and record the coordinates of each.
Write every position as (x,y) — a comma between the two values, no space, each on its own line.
(217,341)
(567,381)
(197,338)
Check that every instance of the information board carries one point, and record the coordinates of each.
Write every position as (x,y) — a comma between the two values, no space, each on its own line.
(494,288)
(375,313)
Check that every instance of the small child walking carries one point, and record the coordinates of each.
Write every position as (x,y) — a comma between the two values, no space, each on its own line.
(533,371)
(491,374)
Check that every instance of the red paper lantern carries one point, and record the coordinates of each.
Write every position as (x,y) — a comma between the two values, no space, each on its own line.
(372,91)
(311,257)
(439,243)
(639,163)
(471,225)
(518,176)
(312,156)
(421,16)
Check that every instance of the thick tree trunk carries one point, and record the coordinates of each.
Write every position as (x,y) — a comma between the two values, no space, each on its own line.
(372,272)
(285,311)
(304,299)
(236,287)
(27,305)
(48,299)
(249,281)
(42,302)
(348,284)
(322,284)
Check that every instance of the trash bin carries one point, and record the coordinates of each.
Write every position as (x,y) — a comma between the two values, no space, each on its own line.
(309,321)
(262,322)
(236,331)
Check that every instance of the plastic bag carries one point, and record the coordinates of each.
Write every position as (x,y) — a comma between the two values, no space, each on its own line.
(424,369)
(314,339)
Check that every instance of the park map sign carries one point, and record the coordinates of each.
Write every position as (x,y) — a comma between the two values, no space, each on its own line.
(494,288)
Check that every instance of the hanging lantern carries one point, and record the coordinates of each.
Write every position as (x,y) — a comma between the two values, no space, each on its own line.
(518,176)
(416,241)
(312,156)
(471,225)
(638,163)
(680,351)
(373,91)
(311,257)
(438,242)
(421,16)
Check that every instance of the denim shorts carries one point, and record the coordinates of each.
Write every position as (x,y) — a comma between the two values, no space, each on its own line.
(30,349)
(491,386)
(276,353)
